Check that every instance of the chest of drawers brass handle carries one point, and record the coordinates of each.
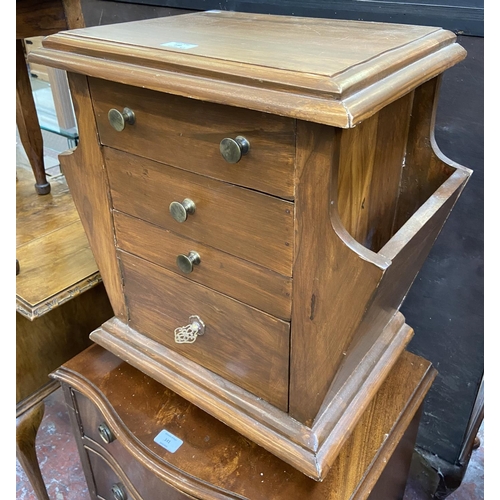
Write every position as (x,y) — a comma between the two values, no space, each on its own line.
(118,119)
(186,263)
(233,149)
(180,211)
(105,433)
(118,492)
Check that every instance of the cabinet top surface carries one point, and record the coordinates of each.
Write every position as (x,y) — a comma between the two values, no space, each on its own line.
(323,47)
(265,56)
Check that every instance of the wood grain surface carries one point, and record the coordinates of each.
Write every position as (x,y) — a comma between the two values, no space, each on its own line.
(356,234)
(243,344)
(48,341)
(45,17)
(249,283)
(53,263)
(425,170)
(27,426)
(332,283)
(186,133)
(244,223)
(55,260)
(214,461)
(371,164)
(39,215)
(298,78)
(84,171)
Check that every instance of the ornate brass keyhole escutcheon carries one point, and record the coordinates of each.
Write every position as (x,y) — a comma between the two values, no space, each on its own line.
(186,263)
(180,211)
(189,333)
(118,119)
(233,149)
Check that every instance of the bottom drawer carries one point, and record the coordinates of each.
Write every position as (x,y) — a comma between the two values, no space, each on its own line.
(240,343)
(112,483)
(116,473)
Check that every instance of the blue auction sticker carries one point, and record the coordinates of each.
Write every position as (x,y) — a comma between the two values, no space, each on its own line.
(168,441)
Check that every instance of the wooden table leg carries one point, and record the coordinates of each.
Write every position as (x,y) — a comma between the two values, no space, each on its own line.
(27,425)
(27,122)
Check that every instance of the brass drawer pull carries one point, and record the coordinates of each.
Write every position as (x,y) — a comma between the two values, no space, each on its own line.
(233,149)
(118,119)
(186,263)
(118,492)
(105,433)
(180,211)
(189,333)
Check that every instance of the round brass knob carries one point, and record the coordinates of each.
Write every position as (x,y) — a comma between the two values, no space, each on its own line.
(118,492)
(233,149)
(186,262)
(105,433)
(118,119)
(180,211)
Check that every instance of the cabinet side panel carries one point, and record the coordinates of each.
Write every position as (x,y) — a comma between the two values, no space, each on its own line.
(332,282)
(424,171)
(85,174)
(371,161)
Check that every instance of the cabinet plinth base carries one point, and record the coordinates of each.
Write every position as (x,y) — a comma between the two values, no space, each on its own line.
(311,450)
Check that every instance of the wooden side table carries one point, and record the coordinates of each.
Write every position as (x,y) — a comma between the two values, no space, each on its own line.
(139,440)
(60,299)
(259,214)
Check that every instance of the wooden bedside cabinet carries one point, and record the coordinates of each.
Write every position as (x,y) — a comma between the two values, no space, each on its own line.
(139,440)
(259,193)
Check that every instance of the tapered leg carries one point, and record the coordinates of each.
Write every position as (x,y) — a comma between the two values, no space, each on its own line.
(27,426)
(27,122)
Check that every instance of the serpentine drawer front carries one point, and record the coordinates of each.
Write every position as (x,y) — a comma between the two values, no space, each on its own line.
(115,473)
(259,193)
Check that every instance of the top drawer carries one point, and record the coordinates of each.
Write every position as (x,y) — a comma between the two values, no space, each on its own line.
(186,133)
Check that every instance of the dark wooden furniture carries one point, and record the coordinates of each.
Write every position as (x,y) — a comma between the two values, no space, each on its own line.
(117,413)
(37,18)
(260,193)
(60,299)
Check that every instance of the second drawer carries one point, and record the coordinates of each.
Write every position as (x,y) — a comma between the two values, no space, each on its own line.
(250,225)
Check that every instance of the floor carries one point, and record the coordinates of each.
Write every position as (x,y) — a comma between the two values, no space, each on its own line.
(57,450)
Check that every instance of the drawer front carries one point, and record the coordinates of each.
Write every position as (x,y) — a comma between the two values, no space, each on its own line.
(250,225)
(186,133)
(114,466)
(245,346)
(238,278)
(133,481)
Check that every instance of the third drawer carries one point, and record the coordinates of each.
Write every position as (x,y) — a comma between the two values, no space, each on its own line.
(232,276)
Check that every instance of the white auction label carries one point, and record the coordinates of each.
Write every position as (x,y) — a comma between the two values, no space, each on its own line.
(179,45)
(168,441)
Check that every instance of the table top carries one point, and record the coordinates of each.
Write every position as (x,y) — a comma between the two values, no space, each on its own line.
(324,70)
(55,259)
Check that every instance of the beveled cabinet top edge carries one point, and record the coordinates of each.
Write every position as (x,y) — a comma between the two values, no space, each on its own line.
(334,88)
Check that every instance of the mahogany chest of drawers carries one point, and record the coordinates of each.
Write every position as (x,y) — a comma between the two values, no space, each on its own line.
(259,193)
(138,440)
